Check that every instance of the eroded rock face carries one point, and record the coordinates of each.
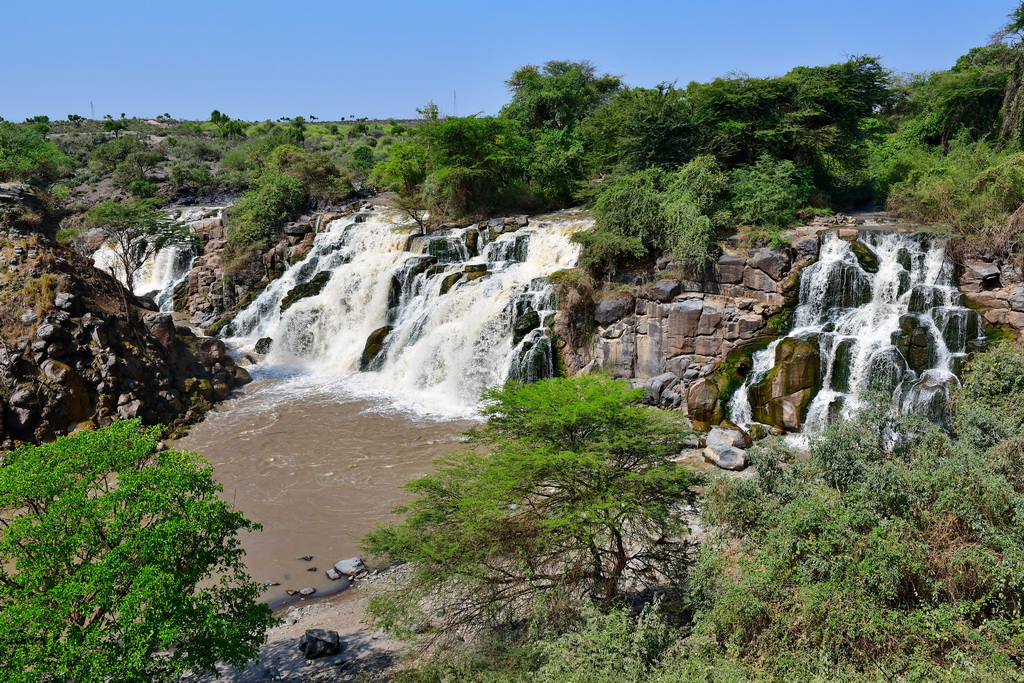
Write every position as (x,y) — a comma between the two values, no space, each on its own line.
(782,397)
(998,288)
(90,352)
(680,322)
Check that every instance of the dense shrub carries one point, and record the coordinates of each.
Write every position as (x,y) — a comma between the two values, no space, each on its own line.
(26,156)
(654,211)
(253,220)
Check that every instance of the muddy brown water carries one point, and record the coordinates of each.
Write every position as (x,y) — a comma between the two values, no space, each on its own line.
(318,467)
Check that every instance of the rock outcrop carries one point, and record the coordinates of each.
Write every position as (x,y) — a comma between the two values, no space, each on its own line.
(671,336)
(782,397)
(78,351)
(220,284)
(997,288)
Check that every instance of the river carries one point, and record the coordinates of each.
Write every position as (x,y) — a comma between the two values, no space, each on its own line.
(318,466)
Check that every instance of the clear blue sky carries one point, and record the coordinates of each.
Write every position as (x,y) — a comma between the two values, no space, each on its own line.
(259,59)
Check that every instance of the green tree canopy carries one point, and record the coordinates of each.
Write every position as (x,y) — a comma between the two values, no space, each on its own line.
(120,563)
(575,497)
(25,156)
(558,95)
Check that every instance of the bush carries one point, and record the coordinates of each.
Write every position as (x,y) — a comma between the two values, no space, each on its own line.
(655,211)
(25,156)
(253,220)
(768,193)
(880,553)
(191,174)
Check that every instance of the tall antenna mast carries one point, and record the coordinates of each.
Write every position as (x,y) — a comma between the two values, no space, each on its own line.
(455,102)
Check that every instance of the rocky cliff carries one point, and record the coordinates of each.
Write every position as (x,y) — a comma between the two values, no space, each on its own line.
(223,280)
(670,336)
(77,350)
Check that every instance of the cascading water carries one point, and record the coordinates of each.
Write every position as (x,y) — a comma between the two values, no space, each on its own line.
(891,322)
(432,320)
(163,271)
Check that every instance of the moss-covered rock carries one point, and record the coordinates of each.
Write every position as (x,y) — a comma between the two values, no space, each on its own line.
(525,324)
(374,345)
(915,342)
(781,398)
(867,259)
(704,401)
(306,289)
(449,281)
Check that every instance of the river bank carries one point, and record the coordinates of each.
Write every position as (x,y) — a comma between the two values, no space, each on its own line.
(368,654)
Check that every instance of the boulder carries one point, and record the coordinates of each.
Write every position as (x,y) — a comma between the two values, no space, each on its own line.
(449,281)
(806,247)
(263,345)
(65,301)
(916,343)
(730,269)
(613,308)
(703,404)
(980,275)
(781,398)
(241,376)
(351,566)
(307,289)
(211,350)
(525,324)
(725,448)
(867,259)
(665,290)
(318,642)
(161,327)
(657,385)
(47,332)
(374,345)
(773,263)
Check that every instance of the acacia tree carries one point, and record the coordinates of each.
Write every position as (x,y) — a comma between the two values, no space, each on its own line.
(119,563)
(575,498)
(136,231)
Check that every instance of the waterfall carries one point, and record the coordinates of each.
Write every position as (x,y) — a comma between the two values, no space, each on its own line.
(885,316)
(427,320)
(159,274)
(163,271)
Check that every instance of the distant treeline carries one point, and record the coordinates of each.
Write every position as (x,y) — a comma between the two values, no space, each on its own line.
(668,169)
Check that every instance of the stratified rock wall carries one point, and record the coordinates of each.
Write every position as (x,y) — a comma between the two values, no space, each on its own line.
(998,289)
(670,335)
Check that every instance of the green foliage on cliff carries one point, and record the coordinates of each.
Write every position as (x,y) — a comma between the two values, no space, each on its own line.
(253,220)
(121,563)
(573,498)
(654,211)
